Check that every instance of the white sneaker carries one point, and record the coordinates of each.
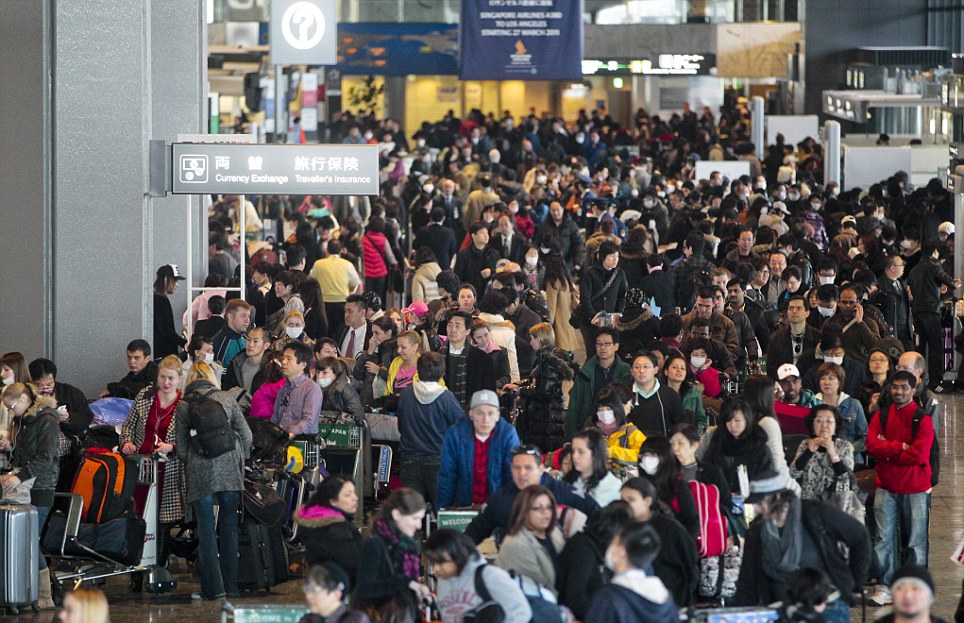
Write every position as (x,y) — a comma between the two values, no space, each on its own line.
(881,597)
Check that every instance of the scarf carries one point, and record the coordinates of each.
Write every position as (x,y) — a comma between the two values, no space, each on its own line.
(402,550)
(782,547)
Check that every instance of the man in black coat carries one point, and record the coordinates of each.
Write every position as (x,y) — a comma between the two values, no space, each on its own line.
(476,264)
(563,230)
(789,343)
(437,237)
(524,319)
(452,206)
(506,242)
(467,369)
(659,284)
(209,327)
(143,372)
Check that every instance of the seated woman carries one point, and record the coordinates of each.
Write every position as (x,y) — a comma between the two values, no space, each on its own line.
(633,596)
(590,473)
(697,352)
(825,460)
(461,571)
(676,371)
(658,465)
(739,441)
(326,528)
(623,438)
(388,584)
(325,589)
(534,542)
(582,564)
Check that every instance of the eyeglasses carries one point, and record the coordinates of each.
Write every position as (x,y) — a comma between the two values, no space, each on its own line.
(541,509)
(526,449)
(605,343)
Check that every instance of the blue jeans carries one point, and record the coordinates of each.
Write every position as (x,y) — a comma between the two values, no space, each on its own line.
(217,557)
(838,611)
(891,510)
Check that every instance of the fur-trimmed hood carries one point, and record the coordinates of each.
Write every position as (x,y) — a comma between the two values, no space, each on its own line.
(41,403)
(496,320)
(319,516)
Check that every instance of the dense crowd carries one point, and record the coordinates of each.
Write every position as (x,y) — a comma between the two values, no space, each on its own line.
(653,391)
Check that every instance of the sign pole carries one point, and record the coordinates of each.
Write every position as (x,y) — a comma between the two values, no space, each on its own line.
(279,82)
(242,219)
(189,269)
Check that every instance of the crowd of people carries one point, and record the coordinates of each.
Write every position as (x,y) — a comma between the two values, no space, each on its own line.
(563,329)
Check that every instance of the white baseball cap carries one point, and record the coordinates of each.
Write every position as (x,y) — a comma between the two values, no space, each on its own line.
(787,370)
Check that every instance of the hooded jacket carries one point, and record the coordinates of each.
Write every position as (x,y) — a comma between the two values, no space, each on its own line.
(455,479)
(426,411)
(458,595)
(329,536)
(633,597)
(36,450)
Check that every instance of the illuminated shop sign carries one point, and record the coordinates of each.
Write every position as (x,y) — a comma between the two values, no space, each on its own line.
(663,65)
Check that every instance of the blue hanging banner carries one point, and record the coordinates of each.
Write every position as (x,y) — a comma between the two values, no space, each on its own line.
(521,40)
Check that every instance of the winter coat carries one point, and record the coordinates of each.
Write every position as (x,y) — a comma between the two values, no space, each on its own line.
(377,254)
(456,475)
(543,420)
(133,382)
(206,476)
(233,377)
(854,427)
(677,563)
(172,492)
(262,403)
(595,297)
(502,332)
(633,597)
(605,491)
(624,443)
(582,396)
(329,536)
(925,282)
(36,449)
(521,552)
(828,527)
(567,236)
(425,414)
(659,413)
(900,470)
(731,453)
(582,572)
(424,282)
(559,303)
(457,595)
(341,396)
(384,355)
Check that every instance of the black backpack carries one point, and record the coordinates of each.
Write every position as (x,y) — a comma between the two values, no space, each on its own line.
(489,611)
(211,433)
(935,454)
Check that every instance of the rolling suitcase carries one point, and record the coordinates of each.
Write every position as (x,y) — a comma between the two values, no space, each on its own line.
(263,556)
(20,542)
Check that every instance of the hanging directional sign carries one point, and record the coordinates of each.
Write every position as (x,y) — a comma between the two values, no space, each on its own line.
(274,169)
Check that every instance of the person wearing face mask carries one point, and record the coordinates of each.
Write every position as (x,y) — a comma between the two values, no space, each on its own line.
(633,596)
(426,410)
(813,215)
(199,349)
(831,350)
(701,366)
(293,330)
(532,270)
(910,249)
(624,439)
(339,395)
(658,465)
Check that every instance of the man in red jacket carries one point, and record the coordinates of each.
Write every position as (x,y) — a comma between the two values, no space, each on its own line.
(900,440)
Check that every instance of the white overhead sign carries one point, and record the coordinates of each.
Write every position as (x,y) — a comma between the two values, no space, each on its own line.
(303,32)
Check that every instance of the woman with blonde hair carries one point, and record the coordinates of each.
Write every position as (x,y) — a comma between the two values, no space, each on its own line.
(150,428)
(13,369)
(542,421)
(402,371)
(85,605)
(292,330)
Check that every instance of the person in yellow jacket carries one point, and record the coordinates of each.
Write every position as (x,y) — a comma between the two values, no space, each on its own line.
(623,438)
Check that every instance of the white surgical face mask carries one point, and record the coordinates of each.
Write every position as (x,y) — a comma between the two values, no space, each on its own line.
(649,463)
(8,380)
(420,142)
(606,417)
(608,559)
(648,203)
(541,179)
(532,261)
(545,250)
(836,360)
(325,381)
(794,196)
(697,361)
(782,196)
(826,312)
(294,332)
(660,194)
(825,280)
(670,189)
(514,209)
(208,358)
(815,205)
(428,188)
(906,245)
(368,136)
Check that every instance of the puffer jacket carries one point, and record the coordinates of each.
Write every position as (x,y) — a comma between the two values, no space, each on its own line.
(36,449)
(377,254)
(543,421)
(456,476)
(329,536)
(206,476)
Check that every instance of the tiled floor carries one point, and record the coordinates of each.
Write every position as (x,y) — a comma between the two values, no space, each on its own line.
(947,529)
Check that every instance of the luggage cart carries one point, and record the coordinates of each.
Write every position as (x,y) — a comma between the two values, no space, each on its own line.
(730,615)
(295,488)
(343,453)
(83,563)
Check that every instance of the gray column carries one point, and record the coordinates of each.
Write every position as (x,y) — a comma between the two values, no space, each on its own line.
(78,242)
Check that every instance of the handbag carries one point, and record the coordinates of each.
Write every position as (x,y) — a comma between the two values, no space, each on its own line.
(846,499)
(489,611)
(575,319)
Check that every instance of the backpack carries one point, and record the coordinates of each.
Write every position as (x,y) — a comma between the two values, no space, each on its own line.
(489,611)
(712,538)
(542,600)
(935,454)
(106,483)
(211,433)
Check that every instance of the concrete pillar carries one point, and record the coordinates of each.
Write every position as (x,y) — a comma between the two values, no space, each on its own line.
(86,86)
(831,150)
(757,127)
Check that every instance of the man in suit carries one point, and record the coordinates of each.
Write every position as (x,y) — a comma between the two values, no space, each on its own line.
(787,344)
(209,327)
(506,242)
(452,206)
(439,238)
(353,337)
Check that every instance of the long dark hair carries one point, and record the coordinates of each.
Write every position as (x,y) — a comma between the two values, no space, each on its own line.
(687,383)
(758,393)
(596,443)
(729,409)
(556,271)
(328,489)
(666,478)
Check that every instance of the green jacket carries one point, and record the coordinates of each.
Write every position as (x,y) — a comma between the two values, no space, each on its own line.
(583,394)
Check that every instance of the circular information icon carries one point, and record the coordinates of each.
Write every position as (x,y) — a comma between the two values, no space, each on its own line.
(303,25)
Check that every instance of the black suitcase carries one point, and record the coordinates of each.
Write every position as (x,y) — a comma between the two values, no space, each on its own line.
(263,558)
